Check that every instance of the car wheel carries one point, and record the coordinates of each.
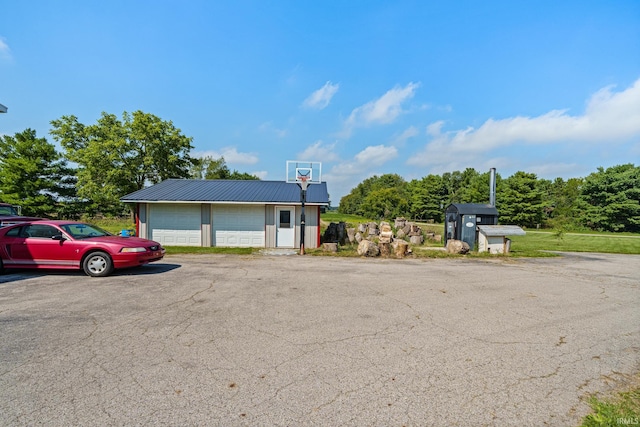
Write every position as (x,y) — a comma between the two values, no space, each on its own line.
(1,267)
(98,264)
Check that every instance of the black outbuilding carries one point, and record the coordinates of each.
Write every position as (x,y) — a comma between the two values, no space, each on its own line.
(462,219)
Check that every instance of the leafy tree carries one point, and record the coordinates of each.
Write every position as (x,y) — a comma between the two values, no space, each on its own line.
(34,175)
(465,187)
(561,201)
(210,168)
(610,199)
(385,203)
(116,157)
(354,202)
(427,198)
(520,200)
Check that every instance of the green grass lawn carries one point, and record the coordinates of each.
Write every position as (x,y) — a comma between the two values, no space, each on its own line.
(576,242)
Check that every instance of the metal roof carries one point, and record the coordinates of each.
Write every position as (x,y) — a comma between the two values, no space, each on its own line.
(501,230)
(472,208)
(229,191)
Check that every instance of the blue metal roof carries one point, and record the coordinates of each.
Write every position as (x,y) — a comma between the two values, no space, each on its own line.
(218,190)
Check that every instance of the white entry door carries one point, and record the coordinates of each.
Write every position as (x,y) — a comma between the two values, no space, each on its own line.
(285,227)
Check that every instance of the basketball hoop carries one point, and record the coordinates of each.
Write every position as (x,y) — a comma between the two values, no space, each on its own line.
(303,182)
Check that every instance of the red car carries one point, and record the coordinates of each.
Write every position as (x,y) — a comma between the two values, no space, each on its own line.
(73,245)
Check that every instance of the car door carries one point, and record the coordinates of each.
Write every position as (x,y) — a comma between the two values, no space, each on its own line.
(43,246)
(14,246)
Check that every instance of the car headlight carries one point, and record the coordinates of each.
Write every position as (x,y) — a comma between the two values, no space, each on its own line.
(133,250)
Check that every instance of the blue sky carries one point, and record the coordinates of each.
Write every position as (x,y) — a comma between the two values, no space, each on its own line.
(365,87)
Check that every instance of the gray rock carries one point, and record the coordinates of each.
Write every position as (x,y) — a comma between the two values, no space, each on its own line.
(457,247)
(368,248)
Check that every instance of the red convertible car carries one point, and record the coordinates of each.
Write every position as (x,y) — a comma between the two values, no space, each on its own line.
(73,245)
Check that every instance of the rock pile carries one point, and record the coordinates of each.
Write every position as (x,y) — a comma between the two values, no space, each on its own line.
(375,239)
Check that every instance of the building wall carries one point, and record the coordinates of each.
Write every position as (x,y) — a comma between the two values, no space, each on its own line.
(312,215)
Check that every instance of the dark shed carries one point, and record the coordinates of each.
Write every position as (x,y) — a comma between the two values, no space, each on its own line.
(462,219)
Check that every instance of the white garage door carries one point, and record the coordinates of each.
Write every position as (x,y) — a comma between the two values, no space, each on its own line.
(175,225)
(239,226)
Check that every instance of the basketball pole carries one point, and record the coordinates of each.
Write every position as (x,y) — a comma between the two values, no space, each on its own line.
(303,198)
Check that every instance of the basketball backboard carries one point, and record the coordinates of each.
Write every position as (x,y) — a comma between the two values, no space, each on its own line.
(297,170)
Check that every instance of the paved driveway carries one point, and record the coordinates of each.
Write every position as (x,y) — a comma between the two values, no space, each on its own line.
(289,340)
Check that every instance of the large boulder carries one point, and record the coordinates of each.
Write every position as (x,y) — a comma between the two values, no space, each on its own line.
(386,234)
(416,240)
(330,247)
(368,248)
(373,229)
(385,248)
(400,248)
(457,247)
(351,234)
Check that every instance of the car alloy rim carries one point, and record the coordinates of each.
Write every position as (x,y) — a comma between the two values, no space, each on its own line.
(97,264)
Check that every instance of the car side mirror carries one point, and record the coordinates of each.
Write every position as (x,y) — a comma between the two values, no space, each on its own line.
(58,237)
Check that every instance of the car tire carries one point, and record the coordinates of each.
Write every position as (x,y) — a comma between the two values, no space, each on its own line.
(1,267)
(97,264)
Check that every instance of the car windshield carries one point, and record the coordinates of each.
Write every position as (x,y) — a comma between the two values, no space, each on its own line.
(83,231)
(8,210)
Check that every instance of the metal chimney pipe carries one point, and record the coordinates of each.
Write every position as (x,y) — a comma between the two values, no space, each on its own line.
(492,187)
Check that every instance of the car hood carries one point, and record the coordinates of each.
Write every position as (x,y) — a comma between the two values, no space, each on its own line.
(123,241)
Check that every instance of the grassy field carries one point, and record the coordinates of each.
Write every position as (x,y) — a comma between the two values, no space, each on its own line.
(576,242)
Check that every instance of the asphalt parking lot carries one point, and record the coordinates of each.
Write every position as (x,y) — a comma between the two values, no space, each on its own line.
(289,340)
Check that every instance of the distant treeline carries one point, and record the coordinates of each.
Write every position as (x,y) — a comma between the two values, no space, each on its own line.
(606,200)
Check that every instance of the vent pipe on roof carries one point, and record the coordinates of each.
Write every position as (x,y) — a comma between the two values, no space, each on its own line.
(492,187)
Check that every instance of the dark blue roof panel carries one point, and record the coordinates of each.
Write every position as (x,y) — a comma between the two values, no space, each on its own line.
(217,190)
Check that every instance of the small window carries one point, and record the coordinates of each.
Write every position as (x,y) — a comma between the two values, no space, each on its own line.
(285,219)
(41,231)
(14,232)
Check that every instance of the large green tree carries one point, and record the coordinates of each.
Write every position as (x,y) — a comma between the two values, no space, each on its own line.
(34,175)
(116,157)
(560,200)
(355,202)
(519,200)
(211,168)
(426,198)
(610,199)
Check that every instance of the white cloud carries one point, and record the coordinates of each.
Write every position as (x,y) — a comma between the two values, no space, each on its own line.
(609,117)
(5,51)
(268,127)
(346,175)
(408,133)
(231,156)
(260,174)
(376,155)
(320,152)
(322,97)
(383,110)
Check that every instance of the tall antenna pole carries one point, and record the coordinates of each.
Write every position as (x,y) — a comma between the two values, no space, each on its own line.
(492,187)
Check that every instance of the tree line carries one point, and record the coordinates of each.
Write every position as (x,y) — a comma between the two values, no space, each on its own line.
(99,164)
(606,200)
(104,161)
